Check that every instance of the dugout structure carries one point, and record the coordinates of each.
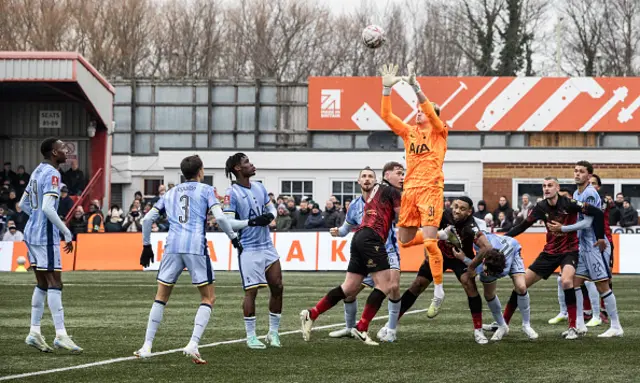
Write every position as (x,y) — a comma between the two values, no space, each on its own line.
(60,94)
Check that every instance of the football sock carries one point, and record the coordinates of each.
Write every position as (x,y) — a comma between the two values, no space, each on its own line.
(496,310)
(350,312)
(594,297)
(250,326)
(37,308)
(511,307)
(586,303)
(435,264)
(202,319)
(561,298)
(525,308)
(374,301)
(579,308)
(475,305)
(417,240)
(394,312)
(54,298)
(407,300)
(274,322)
(328,301)
(155,317)
(612,308)
(570,300)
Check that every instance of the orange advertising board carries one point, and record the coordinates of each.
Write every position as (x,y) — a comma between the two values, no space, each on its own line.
(532,104)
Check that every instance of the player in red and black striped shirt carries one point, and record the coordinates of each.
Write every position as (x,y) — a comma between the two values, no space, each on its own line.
(561,249)
(368,256)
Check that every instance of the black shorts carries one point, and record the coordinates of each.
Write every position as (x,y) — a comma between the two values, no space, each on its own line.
(368,253)
(454,264)
(547,263)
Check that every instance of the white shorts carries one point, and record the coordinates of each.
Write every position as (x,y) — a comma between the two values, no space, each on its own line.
(45,257)
(253,264)
(199,266)
(592,264)
(394,263)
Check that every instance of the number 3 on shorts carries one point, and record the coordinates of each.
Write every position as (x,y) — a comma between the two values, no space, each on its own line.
(431,211)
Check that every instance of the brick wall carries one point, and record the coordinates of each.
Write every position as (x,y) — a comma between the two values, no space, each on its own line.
(497,178)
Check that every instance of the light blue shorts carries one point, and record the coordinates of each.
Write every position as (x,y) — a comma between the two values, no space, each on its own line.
(394,262)
(253,265)
(199,266)
(515,265)
(45,257)
(592,264)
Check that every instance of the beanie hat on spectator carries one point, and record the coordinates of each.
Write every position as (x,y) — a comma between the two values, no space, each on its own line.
(315,206)
(282,206)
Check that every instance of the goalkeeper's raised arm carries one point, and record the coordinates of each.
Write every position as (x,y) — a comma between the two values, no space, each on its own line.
(430,109)
(389,79)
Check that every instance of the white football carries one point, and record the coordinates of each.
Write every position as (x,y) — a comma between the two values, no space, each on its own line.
(21,260)
(373,36)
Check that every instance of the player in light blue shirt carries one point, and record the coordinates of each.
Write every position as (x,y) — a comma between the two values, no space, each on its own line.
(594,255)
(42,236)
(186,207)
(250,210)
(393,174)
(504,258)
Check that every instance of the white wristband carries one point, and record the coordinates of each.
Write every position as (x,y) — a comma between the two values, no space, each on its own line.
(386,91)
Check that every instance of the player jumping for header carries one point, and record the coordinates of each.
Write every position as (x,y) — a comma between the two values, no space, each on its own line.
(368,256)
(40,200)
(423,197)
(186,207)
(250,210)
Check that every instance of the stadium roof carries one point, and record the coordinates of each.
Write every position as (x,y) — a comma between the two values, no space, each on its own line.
(64,73)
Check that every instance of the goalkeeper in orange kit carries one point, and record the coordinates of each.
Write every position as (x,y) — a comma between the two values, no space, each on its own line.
(423,197)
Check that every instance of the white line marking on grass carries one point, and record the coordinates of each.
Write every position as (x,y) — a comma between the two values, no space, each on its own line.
(128,358)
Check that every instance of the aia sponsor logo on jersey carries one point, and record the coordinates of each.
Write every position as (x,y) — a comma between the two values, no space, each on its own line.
(418,149)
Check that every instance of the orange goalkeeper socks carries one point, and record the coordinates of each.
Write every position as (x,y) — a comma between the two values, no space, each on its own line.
(435,259)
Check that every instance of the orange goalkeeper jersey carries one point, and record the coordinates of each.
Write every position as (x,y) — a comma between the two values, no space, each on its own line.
(424,147)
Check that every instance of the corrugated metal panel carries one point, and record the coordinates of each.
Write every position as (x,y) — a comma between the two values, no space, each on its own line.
(21,151)
(294,93)
(23,119)
(174,94)
(29,70)
(100,97)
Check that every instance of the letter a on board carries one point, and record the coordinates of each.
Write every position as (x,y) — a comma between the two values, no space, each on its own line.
(295,251)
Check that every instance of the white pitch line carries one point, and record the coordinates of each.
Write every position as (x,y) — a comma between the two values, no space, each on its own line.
(127,358)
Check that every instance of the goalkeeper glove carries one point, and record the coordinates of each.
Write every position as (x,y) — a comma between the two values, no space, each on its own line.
(236,243)
(147,256)
(262,220)
(389,78)
(452,237)
(411,78)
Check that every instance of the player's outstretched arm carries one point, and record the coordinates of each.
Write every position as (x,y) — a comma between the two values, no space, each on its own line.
(49,210)
(389,79)
(425,105)
(147,221)
(223,222)
(582,224)
(344,229)
(483,246)
(598,219)
(25,203)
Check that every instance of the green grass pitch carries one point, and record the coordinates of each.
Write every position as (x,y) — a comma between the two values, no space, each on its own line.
(106,313)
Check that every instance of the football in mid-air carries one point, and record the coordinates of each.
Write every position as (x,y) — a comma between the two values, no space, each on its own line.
(373,36)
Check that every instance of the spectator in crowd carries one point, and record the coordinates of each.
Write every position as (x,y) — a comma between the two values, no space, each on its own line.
(291,207)
(4,217)
(347,203)
(301,216)
(74,179)
(66,203)
(171,186)
(12,234)
(518,217)
(146,209)
(212,225)
(331,216)
(154,226)
(272,198)
(280,200)
(8,174)
(4,192)
(526,206)
(315,220)
(629,214)
(504,207)
(13,201)
(137,196)
(132,222)
(504,223)
(488,219)
(615,214)
(95,222)
(114,220)
(78,223)
(161,191)
(22,178)
(137,205)
(481,211)
(283,220)
(20,218)
(341,214)
(447,204)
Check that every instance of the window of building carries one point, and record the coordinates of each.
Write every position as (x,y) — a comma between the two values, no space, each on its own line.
(207,180)
(345,190)
(151,186)
(297,189)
